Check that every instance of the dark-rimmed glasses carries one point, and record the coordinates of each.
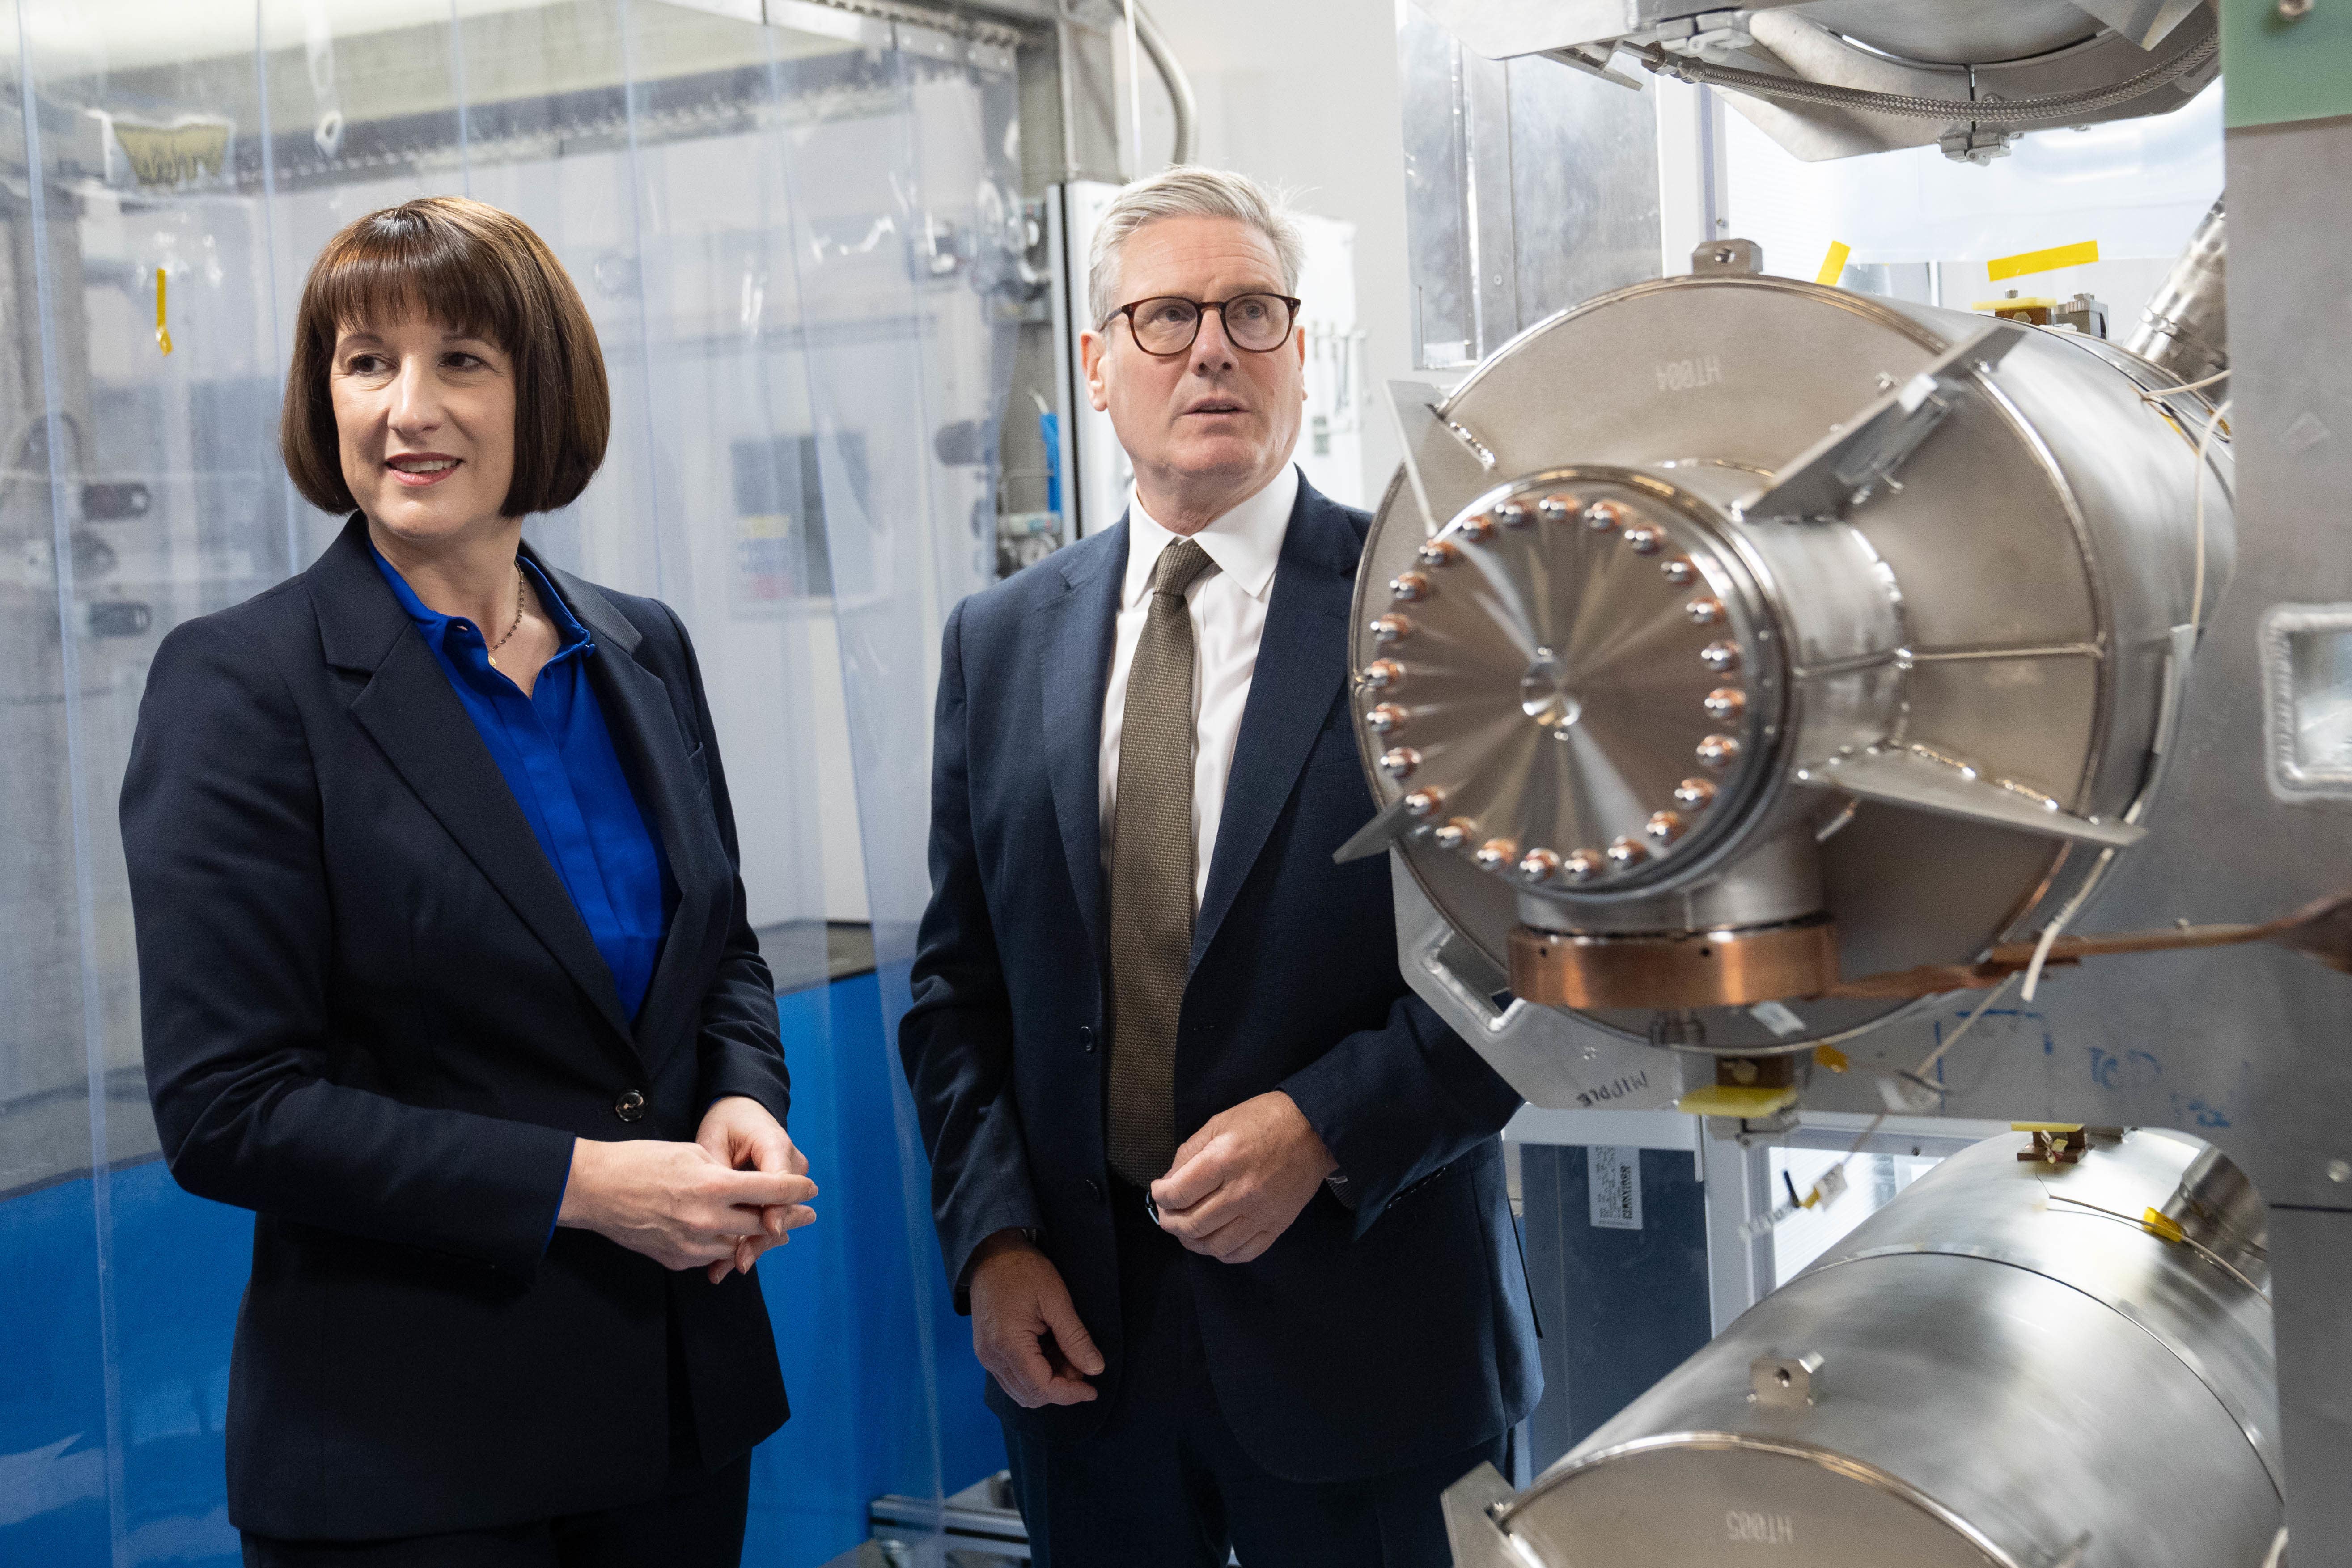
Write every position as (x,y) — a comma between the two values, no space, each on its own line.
(1167,324)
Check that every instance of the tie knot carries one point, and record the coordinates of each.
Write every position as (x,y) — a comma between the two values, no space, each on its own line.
(1177,565)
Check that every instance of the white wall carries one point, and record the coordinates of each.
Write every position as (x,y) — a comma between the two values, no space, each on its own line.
(1303,94)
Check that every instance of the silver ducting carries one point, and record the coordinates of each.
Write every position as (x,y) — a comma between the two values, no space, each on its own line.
(2010,1364)
(1182,108)
(2185,329)
(1832,78)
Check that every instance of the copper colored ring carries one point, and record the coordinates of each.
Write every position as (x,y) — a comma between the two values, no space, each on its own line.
(1723,968)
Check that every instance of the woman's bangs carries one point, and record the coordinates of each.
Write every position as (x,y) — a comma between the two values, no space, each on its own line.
(382,280)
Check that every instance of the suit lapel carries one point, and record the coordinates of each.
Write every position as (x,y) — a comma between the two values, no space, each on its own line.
(1076,629)
(651,741)
(409,710)
(1302,661)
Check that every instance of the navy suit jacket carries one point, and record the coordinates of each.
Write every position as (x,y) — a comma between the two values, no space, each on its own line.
(1368,1337)
(373,1016)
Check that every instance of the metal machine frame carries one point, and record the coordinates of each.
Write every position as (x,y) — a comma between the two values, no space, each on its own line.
(2240,1048)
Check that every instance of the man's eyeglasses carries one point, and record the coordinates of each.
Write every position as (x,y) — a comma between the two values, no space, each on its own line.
(1166,326)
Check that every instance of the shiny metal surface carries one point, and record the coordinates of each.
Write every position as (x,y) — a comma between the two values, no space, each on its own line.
(2219,1210)
(1995,1375)
(1496,241)
(1958,50)
(2061,1222)
(2185,328)
(2007,606)
(1554,684)
(1943,32)
(1727,968)
(2240,1044)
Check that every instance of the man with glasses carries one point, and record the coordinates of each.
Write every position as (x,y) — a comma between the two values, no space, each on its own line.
(1224,1198)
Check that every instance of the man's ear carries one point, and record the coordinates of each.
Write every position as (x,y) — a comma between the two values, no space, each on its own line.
(1093,348)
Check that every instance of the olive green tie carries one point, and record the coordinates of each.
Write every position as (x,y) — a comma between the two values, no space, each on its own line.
(1151,875)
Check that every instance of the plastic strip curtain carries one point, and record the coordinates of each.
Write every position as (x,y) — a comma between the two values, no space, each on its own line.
(782,234)
(908,240)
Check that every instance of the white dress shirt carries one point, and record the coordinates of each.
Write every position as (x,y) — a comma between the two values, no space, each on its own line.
(1227,604)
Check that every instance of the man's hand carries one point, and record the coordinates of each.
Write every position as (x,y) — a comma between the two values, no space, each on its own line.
(1239,1182)
(1024,1328)
(681,1205)
(739,1133)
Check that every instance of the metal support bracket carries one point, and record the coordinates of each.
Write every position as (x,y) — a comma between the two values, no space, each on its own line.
(1594,59)
(1919,778)
(1392,822)
(1845,468)
(1477,1542)
(1442,458)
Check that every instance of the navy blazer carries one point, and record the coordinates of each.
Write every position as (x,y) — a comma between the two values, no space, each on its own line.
(373,1015)
(1367,1338)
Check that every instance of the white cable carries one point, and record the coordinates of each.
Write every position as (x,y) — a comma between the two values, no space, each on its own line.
(2197,588)
(2185,386)
(2196,619)
(1924,1069)
(2066,917)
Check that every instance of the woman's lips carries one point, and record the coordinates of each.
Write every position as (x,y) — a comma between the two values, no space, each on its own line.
(417,481)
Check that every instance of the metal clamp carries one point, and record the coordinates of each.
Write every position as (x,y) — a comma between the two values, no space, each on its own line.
(1845,468)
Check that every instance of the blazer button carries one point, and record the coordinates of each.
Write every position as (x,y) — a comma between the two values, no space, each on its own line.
(630,1107)
(1086,1038)
(1094,1189)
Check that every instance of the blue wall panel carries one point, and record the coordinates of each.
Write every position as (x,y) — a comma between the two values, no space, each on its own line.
(860,1312)
(849,1298)
(180,1265)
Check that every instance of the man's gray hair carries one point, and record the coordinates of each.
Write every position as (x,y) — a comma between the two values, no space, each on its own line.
(1189,190)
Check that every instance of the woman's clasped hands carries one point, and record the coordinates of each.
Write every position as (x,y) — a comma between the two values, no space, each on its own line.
(716,1203)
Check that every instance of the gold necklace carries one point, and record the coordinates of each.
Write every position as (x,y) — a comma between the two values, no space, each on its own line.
(519,592)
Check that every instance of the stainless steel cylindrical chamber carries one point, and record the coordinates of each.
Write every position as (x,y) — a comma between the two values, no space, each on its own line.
(2003,1366)
(1632,702)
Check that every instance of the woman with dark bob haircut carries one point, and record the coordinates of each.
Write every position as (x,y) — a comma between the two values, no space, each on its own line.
(444,971)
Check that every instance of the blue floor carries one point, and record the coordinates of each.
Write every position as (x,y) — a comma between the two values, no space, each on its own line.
(862,1325)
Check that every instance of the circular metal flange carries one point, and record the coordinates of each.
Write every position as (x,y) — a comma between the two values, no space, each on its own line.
(1588,683)
(1732,968)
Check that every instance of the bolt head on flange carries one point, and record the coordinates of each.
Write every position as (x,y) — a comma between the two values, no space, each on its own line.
(1694,795)
(1606,516)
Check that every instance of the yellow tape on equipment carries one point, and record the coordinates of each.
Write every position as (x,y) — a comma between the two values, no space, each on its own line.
(2048,261)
